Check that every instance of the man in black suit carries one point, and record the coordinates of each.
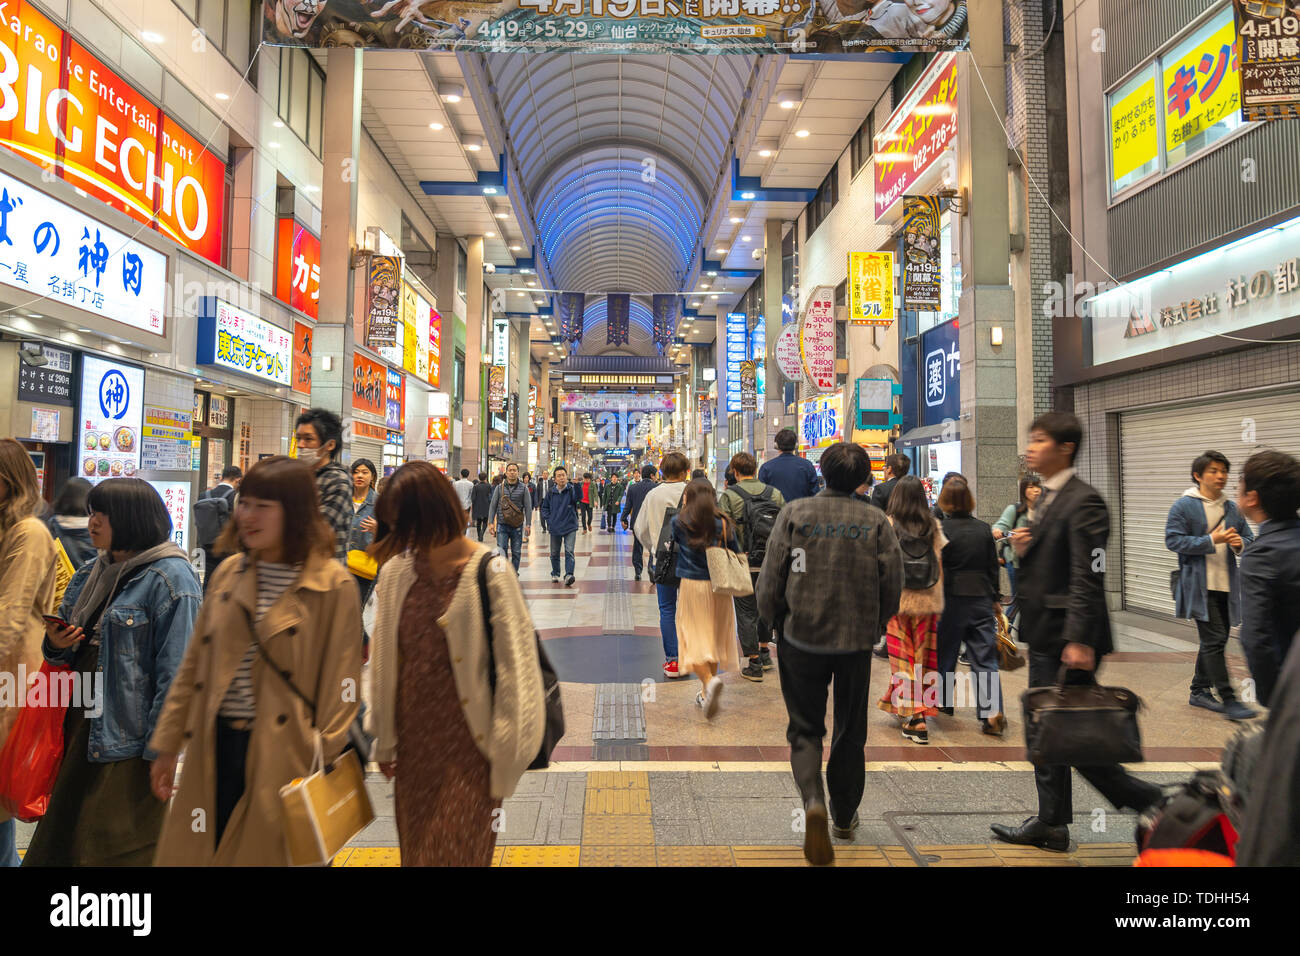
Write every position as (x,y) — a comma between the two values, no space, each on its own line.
(1063,616)
(631,508)
(896,466)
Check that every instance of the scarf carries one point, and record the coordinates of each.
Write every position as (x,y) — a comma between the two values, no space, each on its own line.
(102,584)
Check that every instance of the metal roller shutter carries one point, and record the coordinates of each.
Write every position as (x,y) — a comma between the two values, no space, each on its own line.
(1156,451)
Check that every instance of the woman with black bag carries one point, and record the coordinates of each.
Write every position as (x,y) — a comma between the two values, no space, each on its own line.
(456,699)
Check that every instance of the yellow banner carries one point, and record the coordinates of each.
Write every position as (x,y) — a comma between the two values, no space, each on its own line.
(407,337)
(871,288)
(1134,141)
(1203,86)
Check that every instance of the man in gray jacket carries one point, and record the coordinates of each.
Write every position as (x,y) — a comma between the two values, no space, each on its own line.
(831,579)
(510,514)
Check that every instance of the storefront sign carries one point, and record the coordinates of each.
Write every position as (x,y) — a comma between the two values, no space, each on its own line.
(922,270)
(297,266)
(532,408)
(1134,139)
(112,407)
(758,353)
(788,359)
(395,401)
(920,130)
(706,418)
(423,315)
(51,383)
(630,402)
(501,342)
(368,431)
(439,428)
(229,337)
(871,288)
(369,380)
(1247,283)
(302,336)
(821,422)
(218,411)
(166,441)
(737,352)
(435,348)
(627,26)
(1270,60)
(176,497)
(436,449)
(383,300)
(497,388)
(45,424)
(65,111)
(411,340)
(49,249)
(941,371)
(748,386)
(1202,87)
(817,339)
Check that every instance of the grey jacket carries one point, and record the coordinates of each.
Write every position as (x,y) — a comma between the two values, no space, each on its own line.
(833,573)
(519,494)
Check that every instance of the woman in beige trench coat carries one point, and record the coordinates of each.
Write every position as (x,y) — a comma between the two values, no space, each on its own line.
(235,766)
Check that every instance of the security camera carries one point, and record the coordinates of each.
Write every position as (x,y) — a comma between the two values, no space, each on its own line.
(756,254)
(490,268)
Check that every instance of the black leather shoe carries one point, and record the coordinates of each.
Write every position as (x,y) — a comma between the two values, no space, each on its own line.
(845,833)
(817,848)
(1034,832)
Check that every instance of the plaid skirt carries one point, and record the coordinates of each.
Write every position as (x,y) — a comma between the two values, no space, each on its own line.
(914,679)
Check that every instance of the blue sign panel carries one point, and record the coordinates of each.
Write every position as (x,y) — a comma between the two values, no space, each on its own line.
(940,375)
(737,352)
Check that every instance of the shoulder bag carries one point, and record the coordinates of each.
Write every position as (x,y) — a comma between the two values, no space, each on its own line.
(1081,725)
(550,682)
(728,570)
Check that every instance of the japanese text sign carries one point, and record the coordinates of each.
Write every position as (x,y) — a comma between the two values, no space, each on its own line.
(395,401)
(175,496)
(1202,86)
(297,266)
(383,294)
(369,381)
(821,422)
(737,352)
(871,288)
(51,383)
(109,425)
(232,338)
(1270,59)
(920,130)
(302,336)
(435,347)
(817,339)
(1134,139)
(788,359)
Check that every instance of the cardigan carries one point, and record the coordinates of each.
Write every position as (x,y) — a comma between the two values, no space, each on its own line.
(507,726)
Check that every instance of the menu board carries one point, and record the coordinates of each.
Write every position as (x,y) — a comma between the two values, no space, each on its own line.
(165,445)
(110,419)
(817,339)
(787,353)
(176,497)
(48,384)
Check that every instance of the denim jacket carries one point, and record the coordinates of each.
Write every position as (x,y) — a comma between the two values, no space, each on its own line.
(143,635)
(359,540)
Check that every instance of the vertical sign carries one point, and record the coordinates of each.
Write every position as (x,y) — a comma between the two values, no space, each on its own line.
(736,353)
(497,388)
(501,342)
(383,294)
(111,419)
(410,321)
(665,318)
(572,305)
(1270,61)
(871,288)
(302,336)
(618,307)
(748,386)
(297,266)
(921,254)
(817,339)
(395,401)
(435,347)
(369,380)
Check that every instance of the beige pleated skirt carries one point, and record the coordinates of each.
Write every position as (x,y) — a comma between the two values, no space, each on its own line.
(706,627)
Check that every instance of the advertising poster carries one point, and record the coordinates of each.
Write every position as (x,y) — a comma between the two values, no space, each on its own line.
(497,388)
(302,336)
(45,424)
(423,315)
(231,338)
(706,418)
(395,401)
(369,380)
(1270,59)
(218,411)
(1202,87)
(165,445)
(918,132)
(1134,139)
(629,26)
(748,386)
(51,384)
(383,300)
(435,348)
(821,422)
(110,419)
(176,497)
(922,278)
(817,339)
(871,288)
(788,359)
(297,266)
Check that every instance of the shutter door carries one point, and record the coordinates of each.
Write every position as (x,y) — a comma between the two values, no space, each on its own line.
(1156,452)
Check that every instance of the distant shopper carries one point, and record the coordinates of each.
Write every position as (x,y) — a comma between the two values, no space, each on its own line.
(532,491)
(26,591)
(560,510)
(971,583)
(632,501)
(465,492)
(510,514)
(660,505)
(1016,516)
(791,475)
(1064,618)
(588,495)
(896,466)
(480,498)
(68,523)
(132,611)
(1269,495)
(319,435)
(830,581)
(751,507)
(706,622)
(911,634)
(1207,532)
(212,511)
(281,625)
(612,498)
(938,512)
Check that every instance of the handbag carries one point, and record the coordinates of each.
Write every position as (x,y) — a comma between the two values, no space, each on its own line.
(728,570)
(550,682)
(362,564)
(1081,725)
(1009,656)
(1176,574)
(325,809)
(33,753)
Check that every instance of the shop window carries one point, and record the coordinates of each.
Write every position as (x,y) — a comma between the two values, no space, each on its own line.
(828,194)
(234,27)
(462,265)
(860,147)
(302,96)
(907,76)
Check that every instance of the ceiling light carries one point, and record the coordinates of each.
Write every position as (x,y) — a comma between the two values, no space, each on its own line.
(278,125)
(473,143)
(721,252)
(503,215)
(450,92)
(694,304)
(713,296)
(747,195)
(222,96)
(802,133)
(765,153)
(538,302)
(526,271)
(704,285)
(489,234)
(436,127)
(746,239)
(274,145)
(311,189)
(736,220)
(520,292)
(516,248)
(531,283)
(489,190)
(150,37)
(710,273)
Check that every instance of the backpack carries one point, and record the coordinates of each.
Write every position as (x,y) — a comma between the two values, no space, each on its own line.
(1197,816)
(211,512)
(665,566)
(511,513)
(759,517)
(920,563)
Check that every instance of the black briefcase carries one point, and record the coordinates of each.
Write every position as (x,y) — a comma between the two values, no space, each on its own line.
(1081,725)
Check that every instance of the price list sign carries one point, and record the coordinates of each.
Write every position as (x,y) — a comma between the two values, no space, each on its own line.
(48,384)
(817,339)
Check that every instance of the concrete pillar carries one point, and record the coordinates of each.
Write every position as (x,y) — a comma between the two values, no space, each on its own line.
(341,142)
(765,444)
(243,213)
(519,332)
(988,373)
(472,454)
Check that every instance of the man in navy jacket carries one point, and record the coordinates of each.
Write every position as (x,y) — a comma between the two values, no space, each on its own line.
(560,514)
(791,475)
(631,508)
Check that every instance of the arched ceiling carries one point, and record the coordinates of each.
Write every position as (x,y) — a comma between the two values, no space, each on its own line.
(619,155)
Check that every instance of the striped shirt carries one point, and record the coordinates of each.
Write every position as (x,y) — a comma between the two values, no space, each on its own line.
(272,581)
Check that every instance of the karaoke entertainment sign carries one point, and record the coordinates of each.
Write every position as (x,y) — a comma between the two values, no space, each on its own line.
(622,26)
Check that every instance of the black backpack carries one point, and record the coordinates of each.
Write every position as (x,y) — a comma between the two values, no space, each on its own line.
(759,518)
(665,568)
(920,564)
(211,512)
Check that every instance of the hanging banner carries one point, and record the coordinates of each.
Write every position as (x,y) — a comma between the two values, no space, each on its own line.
(788,359)
(408,332)
(497,388)
(748,386)
(664,310)
(871,288)
(68,113)
(706,418)
(368,381)
(921,261)
(626,402)
(395,401)
(302,335)
(618,307)
(571,305)
(435,347)
(532,409)
(817,339)
(922,129)
(620,26)
(737,352)
(383,298)
(1270,60)
(297,266)
(422,316)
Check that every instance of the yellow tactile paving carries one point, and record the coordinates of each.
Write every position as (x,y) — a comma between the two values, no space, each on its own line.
(374,856)
(630,830)
(618,856)
(618,780)
(695,856)
(541,856)
(617,801)
(972,854)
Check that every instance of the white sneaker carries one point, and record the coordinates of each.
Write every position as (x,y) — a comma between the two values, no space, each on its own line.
(555,578)
(711,697)
(699,701)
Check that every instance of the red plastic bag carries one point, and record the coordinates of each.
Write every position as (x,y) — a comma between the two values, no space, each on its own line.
(31,757)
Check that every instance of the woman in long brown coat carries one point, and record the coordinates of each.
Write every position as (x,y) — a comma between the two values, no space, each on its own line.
(244,731)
